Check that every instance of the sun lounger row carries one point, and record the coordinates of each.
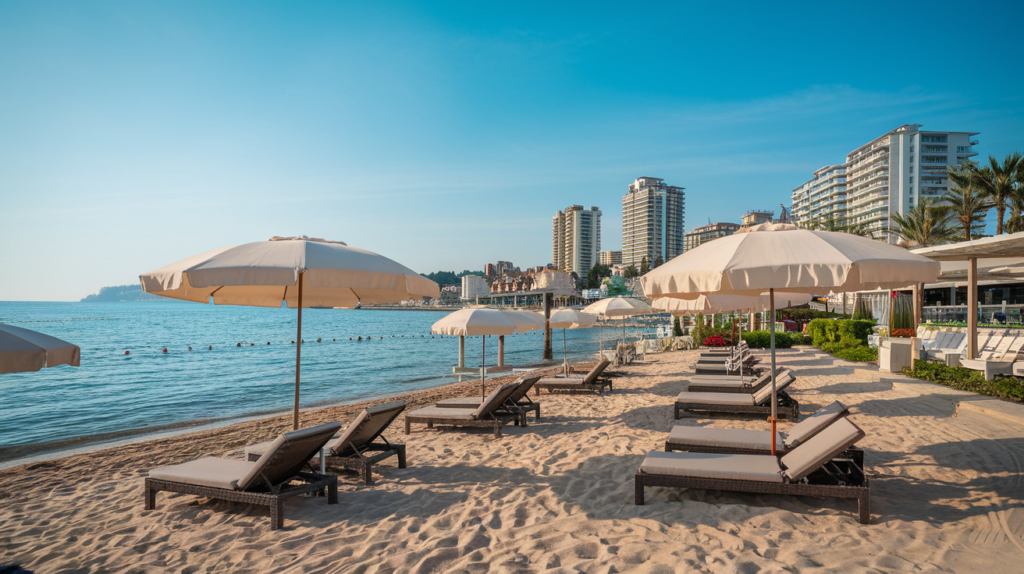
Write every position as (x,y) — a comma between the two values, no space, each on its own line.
(741,401)
(594,381)
(816,458)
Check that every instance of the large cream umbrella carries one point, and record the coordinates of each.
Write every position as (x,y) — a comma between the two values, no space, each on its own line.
(473,322)
(780,256)
(299,271)
(23,350)
(569,319)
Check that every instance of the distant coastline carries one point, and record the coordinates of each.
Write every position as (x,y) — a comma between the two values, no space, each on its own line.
(122,294)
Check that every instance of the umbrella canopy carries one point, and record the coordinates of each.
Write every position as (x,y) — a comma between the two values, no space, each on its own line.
(265,273)
(299,271)
(617,307)
(715,303)
(571,319)
(24,350)
(783,256)
(780,256)
(525,321)
(471,322)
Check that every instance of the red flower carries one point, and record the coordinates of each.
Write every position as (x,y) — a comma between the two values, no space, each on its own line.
(715,341)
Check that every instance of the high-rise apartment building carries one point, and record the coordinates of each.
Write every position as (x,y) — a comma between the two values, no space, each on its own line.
(576,239)
(653,215)
(886,176)
(610,258)
(704,233)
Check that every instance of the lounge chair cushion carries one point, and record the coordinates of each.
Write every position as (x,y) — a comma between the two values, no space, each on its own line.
(207,471)
(729,438)
(494,400)
(764,394)
(733,384)
(287,455)
(755,467)
(368,426)
(821,448)
(814,423)
(463,402)
(715,399)
(438,412)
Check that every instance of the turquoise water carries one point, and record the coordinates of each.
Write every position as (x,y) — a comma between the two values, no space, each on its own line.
(112,395)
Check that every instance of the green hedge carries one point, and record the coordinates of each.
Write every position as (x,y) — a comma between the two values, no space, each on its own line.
(967,380)
(762,339)
(823,331)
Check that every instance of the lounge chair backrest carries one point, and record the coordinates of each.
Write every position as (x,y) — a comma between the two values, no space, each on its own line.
(494,400)
(366,428)
(286,456)
(819,449)
(993,342)
(781,382)
(813,424)
(945,341)
(958,343)
(596,371)
(524,387)
(1014,350)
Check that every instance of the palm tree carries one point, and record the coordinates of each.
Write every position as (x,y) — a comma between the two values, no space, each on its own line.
(841,225)
(967,200)
(999,181)
(924,225)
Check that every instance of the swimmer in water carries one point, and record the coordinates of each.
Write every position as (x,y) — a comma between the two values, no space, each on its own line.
(190,348)
(211,347)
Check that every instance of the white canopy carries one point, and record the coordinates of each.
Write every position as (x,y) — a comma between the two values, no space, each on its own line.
(23,350)
(265,273)
(782,256)
(472,322)
(715,303)
(571,319)
(618,307)
(525,321)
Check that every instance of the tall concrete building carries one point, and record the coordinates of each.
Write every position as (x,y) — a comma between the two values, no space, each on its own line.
(576,239)
(704,233)
(610,258)
(886,176)
(653,216)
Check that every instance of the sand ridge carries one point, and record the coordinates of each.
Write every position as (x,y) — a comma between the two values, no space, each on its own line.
(556,496)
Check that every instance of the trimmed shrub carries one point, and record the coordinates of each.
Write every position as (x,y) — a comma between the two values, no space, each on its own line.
(762,339)
(967,380)
(822,331)
(855,330)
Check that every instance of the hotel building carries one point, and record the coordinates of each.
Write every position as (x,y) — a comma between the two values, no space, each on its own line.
(709,232)
(885,176)
(653,215)
(610,258)
(576,239)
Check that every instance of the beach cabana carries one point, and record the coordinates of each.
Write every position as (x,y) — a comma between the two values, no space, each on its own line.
(294,271)
(988,248)
(771,256)
(569,319)
(24,350)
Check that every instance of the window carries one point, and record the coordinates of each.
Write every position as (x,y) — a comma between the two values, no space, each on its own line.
(911,169)
(911,149)
(911,179)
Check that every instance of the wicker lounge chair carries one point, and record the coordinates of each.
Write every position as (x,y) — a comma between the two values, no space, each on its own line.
(487,415)
(812,469)
(592,382)
(737,384)
(740,403)
(703,368)
(267,481)
(518,402)
(355,449)
(742,441)
(599,369)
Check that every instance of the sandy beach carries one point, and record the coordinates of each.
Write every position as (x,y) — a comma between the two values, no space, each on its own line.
(556,496)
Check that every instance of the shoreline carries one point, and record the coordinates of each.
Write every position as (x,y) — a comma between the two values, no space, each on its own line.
(275,424)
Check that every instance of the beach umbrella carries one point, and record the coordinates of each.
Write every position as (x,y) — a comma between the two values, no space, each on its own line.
(781,256)
(473,322)
(294,271)
(23,350)
(715,303)
(620,307)
(570,319)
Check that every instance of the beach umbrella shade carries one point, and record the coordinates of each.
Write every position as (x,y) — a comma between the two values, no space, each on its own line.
(570,319)
(770,256)
(23,350)
(620,307)
(474,322)
(294,271)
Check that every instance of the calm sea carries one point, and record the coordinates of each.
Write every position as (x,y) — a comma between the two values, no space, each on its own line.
(113,396)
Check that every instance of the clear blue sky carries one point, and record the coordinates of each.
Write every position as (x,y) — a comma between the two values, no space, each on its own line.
(444,135)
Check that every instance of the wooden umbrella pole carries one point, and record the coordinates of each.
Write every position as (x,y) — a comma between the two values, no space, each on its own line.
(565,360)
(483,366)
(298,359)
(771,312)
